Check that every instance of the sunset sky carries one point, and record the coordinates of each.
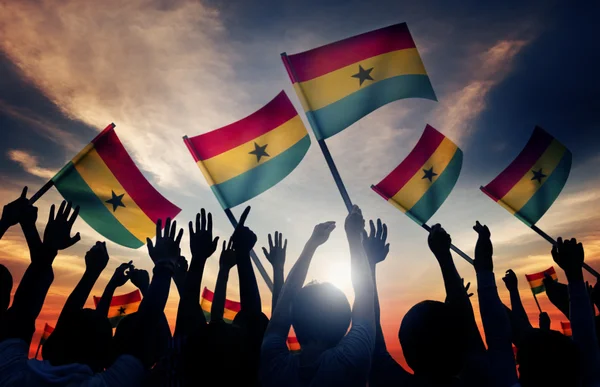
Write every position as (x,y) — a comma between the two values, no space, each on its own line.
(162,69)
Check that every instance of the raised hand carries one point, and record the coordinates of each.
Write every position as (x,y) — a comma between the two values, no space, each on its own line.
(243,238)
(14,211)
(569,256)
(544,321)
(166,251)
(96,258)
(511,281)
(139,278)
(483,249)
(355,223)
(439,242)
(467,288)
(57,235)
(228,256)
(321,233)
(121,276)
(202,244)
(374,243)
(276,253)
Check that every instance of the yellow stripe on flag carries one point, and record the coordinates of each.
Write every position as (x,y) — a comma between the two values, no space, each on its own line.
(228,314)
(115,310)
(103,183)
(416,187)
(326,89)
(539,282)
(238,160)
(520,194)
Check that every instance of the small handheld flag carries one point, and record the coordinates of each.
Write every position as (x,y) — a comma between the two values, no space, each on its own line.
(341,82)
(115,199)
(246,158)
(293,344)
(45,334)
(231,307)
(420,184)
(536,280)
(531,183)
(566,328)
(121,306)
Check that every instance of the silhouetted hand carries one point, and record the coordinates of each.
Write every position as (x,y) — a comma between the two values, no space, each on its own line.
(96,258)
(202,244)
(14,211)
(139,278)
(569,256)
(483,249)
(167,251)
(57,235)
(321,233)
(120,276)
(467,287)
(544,321)
(243,238)
(439,242)
(511,281)
(374,243)
(277,250)
(355,223)
(227,259)
(180,270)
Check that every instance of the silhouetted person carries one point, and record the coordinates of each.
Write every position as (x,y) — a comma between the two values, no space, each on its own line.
(6,285)
(329,356)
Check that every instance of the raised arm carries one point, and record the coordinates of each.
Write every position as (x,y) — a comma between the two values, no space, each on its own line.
(516,305)
(558,294)
(243,241)
(180,272)
(202,246)
(569,255)
(226,263)
(15,212)
(119,278)
(96,260)
(276,256)
(493,315)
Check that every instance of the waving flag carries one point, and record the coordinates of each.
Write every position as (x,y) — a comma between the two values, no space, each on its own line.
(532,182)
(536,280)
(341,82)
(115,199)
(425,178)
(566,328)
(246,158)
(231,307)
(47,331)
(121,306)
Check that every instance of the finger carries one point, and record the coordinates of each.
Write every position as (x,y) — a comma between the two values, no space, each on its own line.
(130,263)
(285,245)
(270,242)
(215,243)
(67,210)
(74,216)
(158,228)
(371,229)
(224,246)
(280,239)
(173,230)
(387,248)
(209,223)
(243,217)
(379,229)
(167,228)
(61,208)
(202,219)
(467,287)
(230,244)
(179,236)
(51,216)
(197,222)
(190,229)
(24,193)
(384,233)
(277,239)
(266,253)
(74,240)
(149,244)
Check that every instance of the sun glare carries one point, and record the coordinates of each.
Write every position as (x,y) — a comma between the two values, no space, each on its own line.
(338,273)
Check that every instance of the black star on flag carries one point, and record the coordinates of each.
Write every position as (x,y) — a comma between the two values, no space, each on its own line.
(116,200)
(259,151)
(429,174)
(363,74)
(538,175)
(122,310)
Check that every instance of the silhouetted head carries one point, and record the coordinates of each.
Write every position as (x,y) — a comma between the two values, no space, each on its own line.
(433,340)
(320,314)
(6,284)
(548,358)
(83,337)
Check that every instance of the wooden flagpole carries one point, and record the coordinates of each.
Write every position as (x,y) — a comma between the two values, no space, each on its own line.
(537,303)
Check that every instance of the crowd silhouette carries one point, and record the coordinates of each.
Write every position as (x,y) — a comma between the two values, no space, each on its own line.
(341,344)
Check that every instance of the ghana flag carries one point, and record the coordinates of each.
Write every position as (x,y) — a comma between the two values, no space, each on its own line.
(425,178)
(293,344)
(231,307)
(244,159)
(532,182)
(121,306)
(115,199)
(46,333)
(536,280)
(341,82)
(566,328)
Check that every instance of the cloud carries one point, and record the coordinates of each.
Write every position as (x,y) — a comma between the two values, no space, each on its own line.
(460,108)
(29,163)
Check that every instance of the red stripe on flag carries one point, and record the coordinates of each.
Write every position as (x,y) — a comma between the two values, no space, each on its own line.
(48,329)
(430,140)
(274,114)
(540,275)
(122,299)
(330,57)
(539,141)
(234,306)
(116,158)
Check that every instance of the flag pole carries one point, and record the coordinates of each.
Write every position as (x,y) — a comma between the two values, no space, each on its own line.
(537,303)
(234,223)
(259,266)
(453,248)
(49,184)
(324,149)
(38,347)
(553,242)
